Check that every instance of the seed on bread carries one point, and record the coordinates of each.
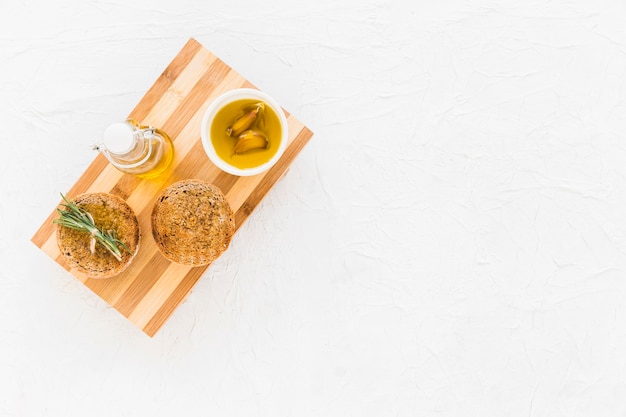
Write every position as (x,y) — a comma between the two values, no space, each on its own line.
(192,223)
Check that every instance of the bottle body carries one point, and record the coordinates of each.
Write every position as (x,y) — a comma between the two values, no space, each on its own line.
(161,157)
(143,151)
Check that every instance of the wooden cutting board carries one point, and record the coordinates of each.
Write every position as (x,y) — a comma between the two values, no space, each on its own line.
(149,291)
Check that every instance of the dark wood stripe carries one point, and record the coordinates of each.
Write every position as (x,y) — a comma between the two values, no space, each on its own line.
(125,186)
(190,164)
(225,181)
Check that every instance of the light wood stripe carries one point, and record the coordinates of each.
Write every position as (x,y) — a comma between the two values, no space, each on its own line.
(158,294)
(165,80)
(175,298)
(180,88)
(149,291)
(47,228)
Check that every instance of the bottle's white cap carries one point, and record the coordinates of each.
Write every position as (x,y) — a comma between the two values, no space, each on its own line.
(118,138)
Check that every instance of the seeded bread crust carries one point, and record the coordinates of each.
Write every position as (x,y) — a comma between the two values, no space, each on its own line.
(109,213)
(192,223)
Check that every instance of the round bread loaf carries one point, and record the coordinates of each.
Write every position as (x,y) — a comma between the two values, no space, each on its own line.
(192,223)
(110,213)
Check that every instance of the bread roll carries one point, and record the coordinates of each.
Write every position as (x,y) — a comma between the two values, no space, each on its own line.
(109,213)
(192,223)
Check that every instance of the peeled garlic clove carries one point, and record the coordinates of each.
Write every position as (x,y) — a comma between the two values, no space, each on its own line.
(244,122)
(249,140)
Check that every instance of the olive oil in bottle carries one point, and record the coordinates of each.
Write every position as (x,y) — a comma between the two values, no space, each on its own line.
(143,151)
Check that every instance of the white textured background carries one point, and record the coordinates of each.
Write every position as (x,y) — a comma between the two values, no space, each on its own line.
(452,242)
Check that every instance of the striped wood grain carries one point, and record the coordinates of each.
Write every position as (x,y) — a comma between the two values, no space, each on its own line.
(149,291)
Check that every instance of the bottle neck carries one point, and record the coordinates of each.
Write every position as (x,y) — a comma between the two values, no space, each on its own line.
(120,139)
(125,145)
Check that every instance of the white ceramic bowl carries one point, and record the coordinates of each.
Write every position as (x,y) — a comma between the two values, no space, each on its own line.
(229,97)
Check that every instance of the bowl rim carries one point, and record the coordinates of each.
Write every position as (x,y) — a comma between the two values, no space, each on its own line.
(229,97)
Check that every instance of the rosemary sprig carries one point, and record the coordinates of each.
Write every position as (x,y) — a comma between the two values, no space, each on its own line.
(77,218)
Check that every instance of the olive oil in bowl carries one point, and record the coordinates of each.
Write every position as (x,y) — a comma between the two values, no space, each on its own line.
(265,123)
(244,132)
